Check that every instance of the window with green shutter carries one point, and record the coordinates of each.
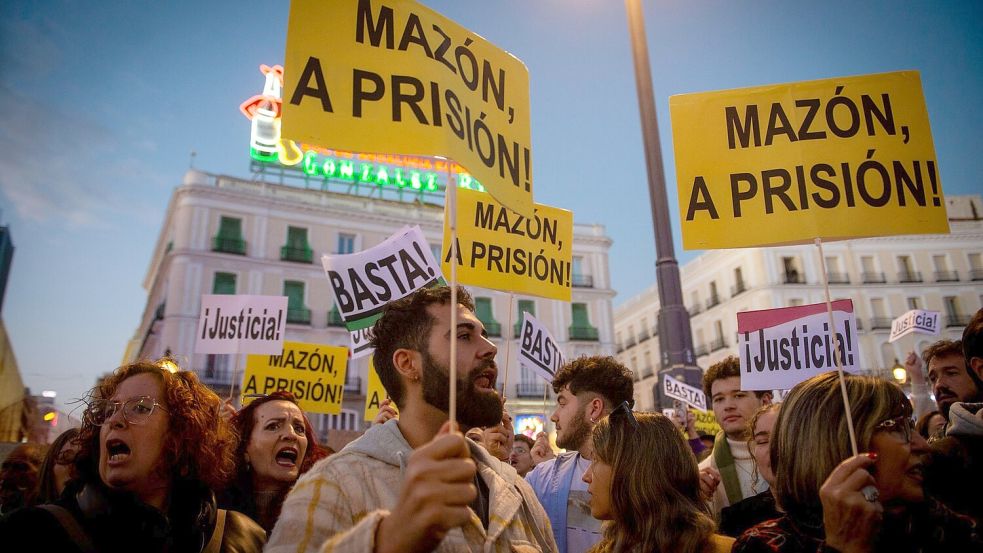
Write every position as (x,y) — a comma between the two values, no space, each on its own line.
(296,311)
(581,329)
(229,237)
(525,306)
(225,283)
(297,248)
(334,317)
(483,310)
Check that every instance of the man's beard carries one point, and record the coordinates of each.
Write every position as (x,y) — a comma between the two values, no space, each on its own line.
(576,434)
(474,408)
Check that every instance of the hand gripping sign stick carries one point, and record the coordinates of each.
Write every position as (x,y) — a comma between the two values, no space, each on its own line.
(451,199)
(836,356)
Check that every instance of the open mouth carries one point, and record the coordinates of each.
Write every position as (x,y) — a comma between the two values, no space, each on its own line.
(486,380)
(117,451)
(917,473)
(287,457)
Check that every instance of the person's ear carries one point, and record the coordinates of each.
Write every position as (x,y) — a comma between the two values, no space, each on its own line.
(595,409)
(408,363)
(976,365)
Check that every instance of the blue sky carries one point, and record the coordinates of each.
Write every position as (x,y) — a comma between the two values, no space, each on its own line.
(104,101)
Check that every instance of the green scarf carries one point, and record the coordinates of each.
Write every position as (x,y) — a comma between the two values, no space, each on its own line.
(724,460)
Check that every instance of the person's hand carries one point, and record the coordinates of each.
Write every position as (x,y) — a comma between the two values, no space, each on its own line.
(709,480)
(691,425)
(913,364)
(437,489)
(851,520)
(495,439)
(386,411)
(541,450)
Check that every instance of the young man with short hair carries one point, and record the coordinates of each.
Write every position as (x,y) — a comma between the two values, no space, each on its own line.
(949,375)
(412,484)
(726,474)
(587,389)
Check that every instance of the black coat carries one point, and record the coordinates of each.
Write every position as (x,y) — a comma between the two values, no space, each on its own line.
(118,522)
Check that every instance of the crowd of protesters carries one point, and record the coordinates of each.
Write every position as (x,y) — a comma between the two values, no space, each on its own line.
(162,464)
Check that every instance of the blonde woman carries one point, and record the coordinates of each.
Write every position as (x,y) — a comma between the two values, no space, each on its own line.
(644,482)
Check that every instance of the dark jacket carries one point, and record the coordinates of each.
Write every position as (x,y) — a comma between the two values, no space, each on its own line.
(954,474)
(736,518)
(118,522)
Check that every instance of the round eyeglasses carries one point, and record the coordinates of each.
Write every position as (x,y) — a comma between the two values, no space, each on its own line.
(900,425)
(135,411)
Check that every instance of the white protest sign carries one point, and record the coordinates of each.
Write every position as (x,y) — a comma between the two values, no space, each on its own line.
(537,348)
(684,392)
(669,413)
(916,320)
(781,347)
(358,344)
(364,282)
(241,324)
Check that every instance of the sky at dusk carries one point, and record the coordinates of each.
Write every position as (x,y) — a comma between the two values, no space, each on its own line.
(102,103)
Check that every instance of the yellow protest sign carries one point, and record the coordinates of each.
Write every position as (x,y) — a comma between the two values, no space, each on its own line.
(506,251)
(375,394)
(394,76)
(832,159)
(313,373)
(706,422)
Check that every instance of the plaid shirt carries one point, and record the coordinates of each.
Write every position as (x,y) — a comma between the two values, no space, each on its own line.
(339,503)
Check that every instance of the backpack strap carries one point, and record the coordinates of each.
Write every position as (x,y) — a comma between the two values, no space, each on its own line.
(71,526)
(214,545)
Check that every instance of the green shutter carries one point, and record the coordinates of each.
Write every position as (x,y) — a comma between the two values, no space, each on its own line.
(225,283)
(525,306)
(295,294)
(483,310)
(580,315)
(230,228)
(297,238)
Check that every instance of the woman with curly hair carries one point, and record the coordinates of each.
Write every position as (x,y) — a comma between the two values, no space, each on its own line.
(151,450)
(644,481)
(276,445)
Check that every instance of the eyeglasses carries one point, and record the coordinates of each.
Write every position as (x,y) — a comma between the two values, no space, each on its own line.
(902,425)
(135,411)
(623,412)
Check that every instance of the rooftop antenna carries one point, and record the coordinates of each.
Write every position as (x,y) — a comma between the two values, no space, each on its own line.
(191,161)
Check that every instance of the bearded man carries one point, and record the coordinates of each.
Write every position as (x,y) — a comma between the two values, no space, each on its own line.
(413,483)
(587,389)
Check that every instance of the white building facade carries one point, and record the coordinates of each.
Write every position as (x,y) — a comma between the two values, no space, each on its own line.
(884,276)
(233,236)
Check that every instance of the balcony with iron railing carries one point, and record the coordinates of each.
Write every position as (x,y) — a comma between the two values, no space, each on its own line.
(353,384)
(975,274)
(643,335)
(582,281)
(909,276)
(713,301)
(530,389)
(694,309)
(738,288)
(873,278)
(946,276)
(583,333)
(299,255)
(630,342)
(718,344)
(646,371)
(334,318)
(794,277)
(838,278)
(299,316)
(956,320)
(880,323)
(229,245)
(701,350)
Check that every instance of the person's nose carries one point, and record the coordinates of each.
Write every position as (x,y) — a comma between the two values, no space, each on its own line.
(488,349)
(918,444)
(589,474)
(554,418)
(117,420)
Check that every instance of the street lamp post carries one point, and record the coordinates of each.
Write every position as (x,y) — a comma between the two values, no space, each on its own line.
(675,334)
